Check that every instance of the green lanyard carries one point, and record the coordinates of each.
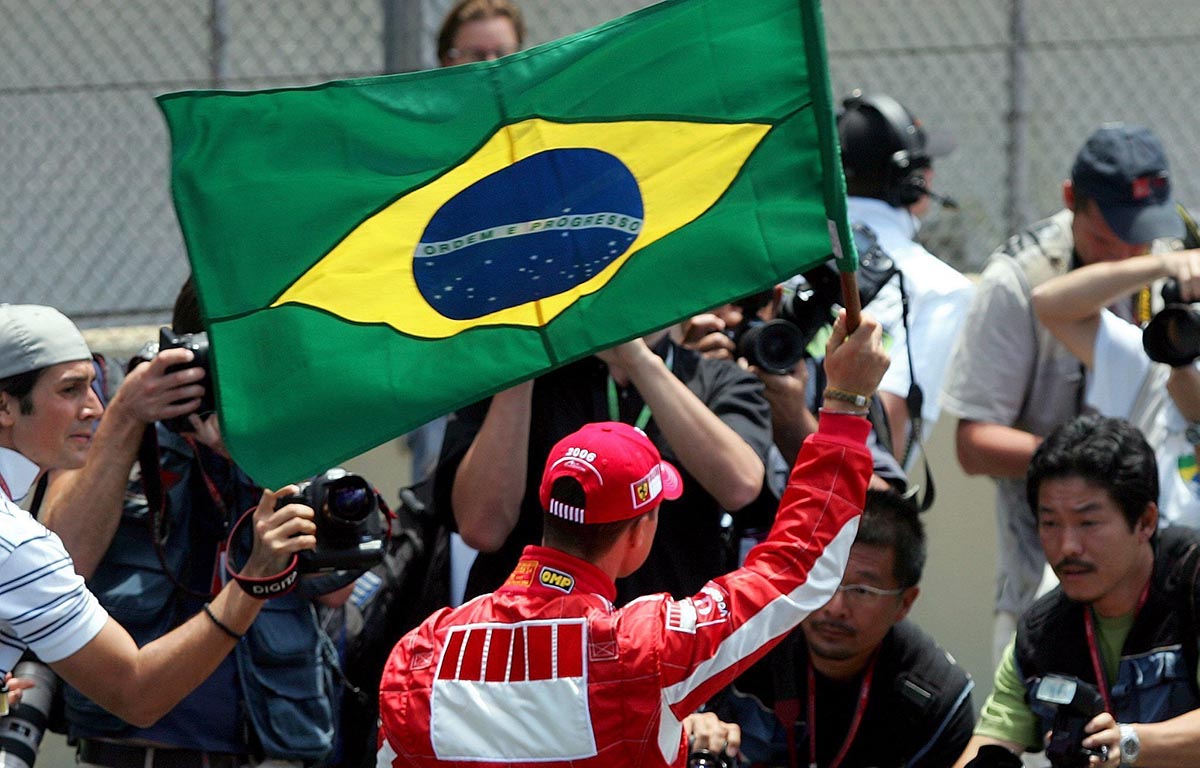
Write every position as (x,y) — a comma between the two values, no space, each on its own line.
(614,410)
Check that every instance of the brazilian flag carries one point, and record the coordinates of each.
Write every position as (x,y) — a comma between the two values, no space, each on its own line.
(372,253)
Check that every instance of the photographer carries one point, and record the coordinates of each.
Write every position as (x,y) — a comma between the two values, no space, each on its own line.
(709,416)
(857,683)
(1122,620)
(47,412)
(792,378)
(1161,400)
(888,156)
(153,533)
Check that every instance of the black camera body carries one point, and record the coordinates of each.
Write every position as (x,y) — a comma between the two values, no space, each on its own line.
(1173,334)
(351,524)
(198,343)
(1074,703)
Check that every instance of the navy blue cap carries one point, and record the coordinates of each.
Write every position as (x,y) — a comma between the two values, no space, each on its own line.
(1123,168)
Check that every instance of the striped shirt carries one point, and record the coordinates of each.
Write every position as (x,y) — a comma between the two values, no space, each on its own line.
(44,604)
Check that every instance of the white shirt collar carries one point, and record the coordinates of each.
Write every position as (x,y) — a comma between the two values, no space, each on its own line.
(18,472)
(881,215)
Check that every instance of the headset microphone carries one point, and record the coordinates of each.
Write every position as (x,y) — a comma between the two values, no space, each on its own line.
(917,184)
(947,202)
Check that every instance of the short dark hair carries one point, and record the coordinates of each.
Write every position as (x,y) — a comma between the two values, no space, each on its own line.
(186,317)
(892,520)
(21,386)
(1109,453)
(477,10)
(587,541)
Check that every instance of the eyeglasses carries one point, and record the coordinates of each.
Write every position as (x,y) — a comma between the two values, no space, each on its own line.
(865,594)
(469,55)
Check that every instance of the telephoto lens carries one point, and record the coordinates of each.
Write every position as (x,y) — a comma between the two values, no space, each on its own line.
(22,729)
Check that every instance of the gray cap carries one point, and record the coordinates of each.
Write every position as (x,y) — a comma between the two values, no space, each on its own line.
(33,337)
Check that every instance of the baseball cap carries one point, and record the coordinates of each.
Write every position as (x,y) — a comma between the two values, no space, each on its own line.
(33,337)
(620,470)
(1123,168)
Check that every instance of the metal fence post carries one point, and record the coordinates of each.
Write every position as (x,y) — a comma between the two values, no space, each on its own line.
(1015,215)
(218,37)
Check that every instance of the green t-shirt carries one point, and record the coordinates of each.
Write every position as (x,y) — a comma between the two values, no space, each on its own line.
(1007,716)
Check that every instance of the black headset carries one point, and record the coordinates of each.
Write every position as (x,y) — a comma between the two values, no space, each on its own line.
(903,183)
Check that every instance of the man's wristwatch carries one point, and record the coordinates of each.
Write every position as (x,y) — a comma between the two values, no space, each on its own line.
(1192,433)
(1131,745)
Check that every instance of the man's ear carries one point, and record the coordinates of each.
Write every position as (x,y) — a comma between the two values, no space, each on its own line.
(1147,522)
(9,407)
(1068,193)
(907,598)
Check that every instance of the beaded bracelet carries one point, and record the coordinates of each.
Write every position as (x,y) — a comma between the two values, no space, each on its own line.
(220,625)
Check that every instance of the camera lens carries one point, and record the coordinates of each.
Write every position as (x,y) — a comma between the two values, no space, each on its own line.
(349,500)
(1173,336)
(775,346)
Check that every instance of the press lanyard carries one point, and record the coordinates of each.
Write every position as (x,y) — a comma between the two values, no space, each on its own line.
(864,691)
(1094,649)
(4,487)
(643,418)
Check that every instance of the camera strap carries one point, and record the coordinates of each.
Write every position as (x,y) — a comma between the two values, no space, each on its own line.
(265,587)
(1089,625)
(915,402)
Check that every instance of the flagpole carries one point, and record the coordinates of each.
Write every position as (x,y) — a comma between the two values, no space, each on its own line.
(834,184)
(850,300)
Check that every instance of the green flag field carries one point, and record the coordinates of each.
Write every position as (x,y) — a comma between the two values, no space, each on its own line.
(373,253)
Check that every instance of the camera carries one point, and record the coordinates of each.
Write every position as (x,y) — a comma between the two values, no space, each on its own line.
(350,522)
(1173,335)
(705,758)
(773,345)
(22,729)
(1074,703)
(198,343)
(811,307)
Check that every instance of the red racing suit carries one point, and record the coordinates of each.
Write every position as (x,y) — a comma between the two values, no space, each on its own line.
(546,671)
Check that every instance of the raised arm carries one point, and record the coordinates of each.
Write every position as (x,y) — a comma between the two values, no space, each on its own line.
(1069,305)
(490,480)
(711,451)
(140,685)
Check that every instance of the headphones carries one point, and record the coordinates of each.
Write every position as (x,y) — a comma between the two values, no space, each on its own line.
(903,182)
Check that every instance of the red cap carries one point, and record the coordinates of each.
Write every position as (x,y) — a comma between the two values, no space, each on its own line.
(621,472)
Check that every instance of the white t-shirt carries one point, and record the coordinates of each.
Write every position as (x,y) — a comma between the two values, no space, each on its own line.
(1121,370)
(44,604)
(938,300)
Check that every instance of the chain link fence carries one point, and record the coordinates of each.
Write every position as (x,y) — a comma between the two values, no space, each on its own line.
(85,217)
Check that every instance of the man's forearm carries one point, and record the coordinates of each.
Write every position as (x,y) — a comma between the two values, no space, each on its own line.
(994,449)
(490,481)
(711,451)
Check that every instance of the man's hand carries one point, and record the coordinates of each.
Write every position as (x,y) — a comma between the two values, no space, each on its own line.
(705,333)
(14,686)
(1184,266)
(207,431)
(279,533)
(626,355)
(1103,732)
(149,393)
(855,362)
(706,731)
